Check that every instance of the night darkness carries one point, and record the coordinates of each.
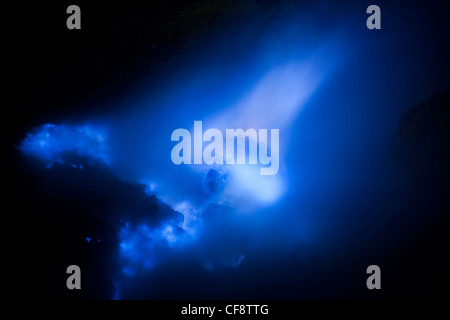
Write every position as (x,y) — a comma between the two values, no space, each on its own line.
(364,150)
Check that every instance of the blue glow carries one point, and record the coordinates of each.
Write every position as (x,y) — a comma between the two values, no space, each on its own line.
(221,205)
(142,246)
(236,260)
(57,143)
(331,129)
(214,200)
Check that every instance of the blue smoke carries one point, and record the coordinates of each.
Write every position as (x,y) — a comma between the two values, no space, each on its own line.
(331,139)
(58,143)
(142,246)
(224,208)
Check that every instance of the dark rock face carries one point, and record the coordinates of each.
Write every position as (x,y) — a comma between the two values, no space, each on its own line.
(421,150)
(71,215)
(422,140)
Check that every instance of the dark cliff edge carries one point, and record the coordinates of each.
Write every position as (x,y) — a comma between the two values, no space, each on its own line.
(421,151)
(72,214)
(422,142)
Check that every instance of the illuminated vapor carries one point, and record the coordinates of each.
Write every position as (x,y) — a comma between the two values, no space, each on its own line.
(142,246)
(60,143)
(273,102)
